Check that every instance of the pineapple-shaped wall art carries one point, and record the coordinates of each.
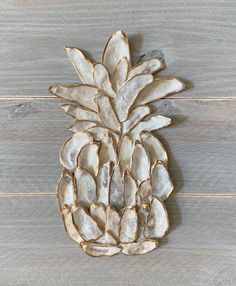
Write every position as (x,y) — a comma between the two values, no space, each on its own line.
(115,179)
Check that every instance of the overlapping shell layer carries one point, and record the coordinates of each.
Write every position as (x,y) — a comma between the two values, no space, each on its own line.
(115,178)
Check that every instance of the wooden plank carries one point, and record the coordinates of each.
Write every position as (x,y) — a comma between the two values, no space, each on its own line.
(199,250)
(200,143)
(197,39)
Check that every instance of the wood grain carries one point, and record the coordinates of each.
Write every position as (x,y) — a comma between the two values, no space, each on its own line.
(200,143)
(199,250)
(197,39)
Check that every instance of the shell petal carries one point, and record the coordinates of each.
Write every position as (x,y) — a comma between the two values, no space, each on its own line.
(82,94)
(158,222)
(138,248)
(128,226)
(116,48)
(88,158)
(153,123)
(69,226)
(154,148)
(83,66)
(102,79)
(99,250)
(98,213)
(113,223)
(107,151)
(106,239)
(103,183)
(136,115)
(125,153)
(71,149)
(128,93)
(162,185)
(148,66)
(81,125)
(66,191)
(120,74)
(142,213)
(116,189)
(86,187)
(106,112)
(88,228)
(140,163)
(130,190)
(144,191)
(160,88)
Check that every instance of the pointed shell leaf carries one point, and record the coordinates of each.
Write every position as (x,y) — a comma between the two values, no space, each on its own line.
(154,148)
(158,89)
(71,149)
(148,66)
(88,158)
(158,222)
(100,250)
(66,191)
(128,93)
(107,113)
(120,74)
(162,185)
(83,66)
(102,79)
(80,93)
(136,115)
(113,223)
(153,123)
(69,226)
(116,189)
(81,125)
(138,248)
(140,163)
(86,187)
(116,48)
(88,228)
(125,153)
(81,113)
(103,183)
(130,190)
(128,226)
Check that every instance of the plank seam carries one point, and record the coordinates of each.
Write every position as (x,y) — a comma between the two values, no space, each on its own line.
(46,97)
(198,195)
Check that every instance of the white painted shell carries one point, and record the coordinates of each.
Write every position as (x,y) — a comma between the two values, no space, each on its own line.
(115,175)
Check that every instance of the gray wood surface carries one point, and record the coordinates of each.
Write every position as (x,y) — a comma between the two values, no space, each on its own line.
(199,250)
(200,144)
(197,40)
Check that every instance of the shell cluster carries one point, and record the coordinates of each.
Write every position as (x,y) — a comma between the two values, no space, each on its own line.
(115,178)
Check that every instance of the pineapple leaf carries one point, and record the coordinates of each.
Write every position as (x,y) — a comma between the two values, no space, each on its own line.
(149,66)
(82,66)
(116,48)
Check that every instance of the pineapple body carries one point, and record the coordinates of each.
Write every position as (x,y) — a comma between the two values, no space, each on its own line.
(115,179)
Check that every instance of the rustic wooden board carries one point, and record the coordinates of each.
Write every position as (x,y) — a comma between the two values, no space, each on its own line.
(196,38)
(200,142)
(199,250)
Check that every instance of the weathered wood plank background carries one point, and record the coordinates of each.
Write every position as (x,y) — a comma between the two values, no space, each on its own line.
(197,40)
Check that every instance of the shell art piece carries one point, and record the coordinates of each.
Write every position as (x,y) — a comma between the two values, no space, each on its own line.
(115,178)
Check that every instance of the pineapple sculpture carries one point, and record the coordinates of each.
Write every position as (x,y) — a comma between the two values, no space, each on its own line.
(115,179)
